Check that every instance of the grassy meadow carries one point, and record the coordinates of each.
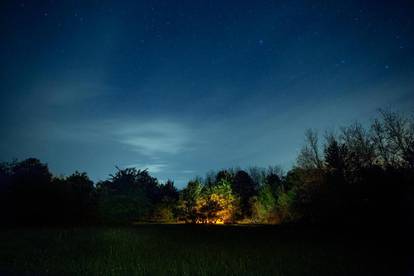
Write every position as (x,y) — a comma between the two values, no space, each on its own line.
(192,250)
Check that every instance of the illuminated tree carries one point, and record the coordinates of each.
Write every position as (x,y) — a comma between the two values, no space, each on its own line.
(218,204)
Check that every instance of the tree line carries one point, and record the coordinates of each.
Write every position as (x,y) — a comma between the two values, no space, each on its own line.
(358,175)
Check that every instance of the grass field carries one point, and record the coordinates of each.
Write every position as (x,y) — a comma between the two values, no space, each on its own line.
(191,250)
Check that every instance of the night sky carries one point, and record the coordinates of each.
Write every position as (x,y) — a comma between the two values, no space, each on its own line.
(182,87)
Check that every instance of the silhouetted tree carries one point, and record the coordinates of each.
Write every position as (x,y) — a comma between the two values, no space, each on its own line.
(224,175)
(166,207)
(244,188)
(189,200)
(77,198)
(32,197)
(274,181)
(129,195)
(309,157)
(258,175)
(335,154)
(360,149)
(394,138)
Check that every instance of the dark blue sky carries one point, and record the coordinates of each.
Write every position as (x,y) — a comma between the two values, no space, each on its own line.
(182,87)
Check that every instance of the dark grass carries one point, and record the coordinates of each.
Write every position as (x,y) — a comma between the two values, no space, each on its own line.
(196,250)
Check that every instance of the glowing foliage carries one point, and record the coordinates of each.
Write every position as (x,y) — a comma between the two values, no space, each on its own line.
(215,204)
(218,204)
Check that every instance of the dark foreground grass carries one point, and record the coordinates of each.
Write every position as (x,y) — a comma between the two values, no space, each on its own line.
(192,250)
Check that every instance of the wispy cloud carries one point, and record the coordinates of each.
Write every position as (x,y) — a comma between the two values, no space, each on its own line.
(152,168)
(153,138)
(131,143)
